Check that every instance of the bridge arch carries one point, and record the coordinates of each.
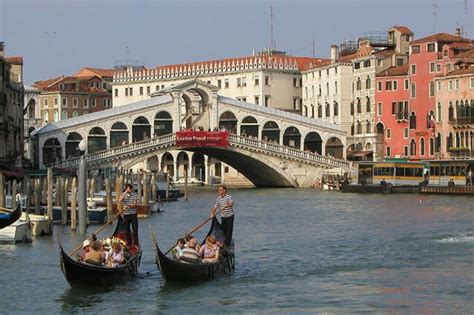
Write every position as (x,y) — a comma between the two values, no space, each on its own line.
(163,124)
(141,129)
(182,162)
(119,134)
(335,148)
(271,132)
(249,127)
(167,163)
(96,140)
(72,144)
(228,120)
(52,151)
(292,137)
(313,142)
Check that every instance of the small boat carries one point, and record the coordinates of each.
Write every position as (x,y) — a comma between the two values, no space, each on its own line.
(8,216)
(78,272)
(96,215)
(41,225)
(18,231)
(175,271)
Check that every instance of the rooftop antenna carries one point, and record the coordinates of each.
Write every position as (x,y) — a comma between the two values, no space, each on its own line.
(272,41)
(435,12)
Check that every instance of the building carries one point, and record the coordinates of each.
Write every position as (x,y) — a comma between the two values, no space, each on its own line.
(64,97)
(392,99)
(430,56)
(11,108)
(343,90)
(32,118)
(454,98)
(270,79)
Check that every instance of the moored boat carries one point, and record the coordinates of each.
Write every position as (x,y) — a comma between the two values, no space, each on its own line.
(175,271)
(78,272)
(41,225)
(8,216)
(18,231)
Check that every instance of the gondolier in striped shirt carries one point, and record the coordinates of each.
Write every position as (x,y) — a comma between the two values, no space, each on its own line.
(129,200)
(226,204)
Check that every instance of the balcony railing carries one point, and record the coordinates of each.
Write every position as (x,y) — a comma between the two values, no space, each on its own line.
(402,116)
(462,121)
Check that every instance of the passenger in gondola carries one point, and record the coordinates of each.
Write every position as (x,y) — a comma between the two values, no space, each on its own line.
(209,252)
(178,250)
(188,238)
(115,256)
(190,253)
(86,246)
(94,256)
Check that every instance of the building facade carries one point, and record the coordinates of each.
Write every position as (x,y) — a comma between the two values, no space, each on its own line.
(11,108)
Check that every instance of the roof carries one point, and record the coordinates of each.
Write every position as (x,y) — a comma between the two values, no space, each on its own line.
(42,84)
(384,52)
(457,72)
(87,71)
(15,60)
(53,85)
(103,114)
(394,71)
(441,37)
(403,29)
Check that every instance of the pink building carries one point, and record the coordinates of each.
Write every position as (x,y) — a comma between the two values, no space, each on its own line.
(392,103)
(426,61)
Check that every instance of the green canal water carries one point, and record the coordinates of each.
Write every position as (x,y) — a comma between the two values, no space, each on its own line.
(297,251)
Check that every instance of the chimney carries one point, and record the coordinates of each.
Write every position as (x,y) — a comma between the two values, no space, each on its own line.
(457,32)
(333,53)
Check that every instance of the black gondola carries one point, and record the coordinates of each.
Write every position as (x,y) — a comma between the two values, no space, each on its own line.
(8,216)
(78,272)
(175,271)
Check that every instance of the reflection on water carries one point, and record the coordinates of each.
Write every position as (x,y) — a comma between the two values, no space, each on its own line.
(297,251)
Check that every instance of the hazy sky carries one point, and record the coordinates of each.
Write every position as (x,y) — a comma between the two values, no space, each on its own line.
(60,37)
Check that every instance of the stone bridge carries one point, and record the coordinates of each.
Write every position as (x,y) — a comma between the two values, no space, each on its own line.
(269,146)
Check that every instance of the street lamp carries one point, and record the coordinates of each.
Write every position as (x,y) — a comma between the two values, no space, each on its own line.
(82,187)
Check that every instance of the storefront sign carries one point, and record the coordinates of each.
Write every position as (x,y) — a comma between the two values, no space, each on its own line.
(202,139)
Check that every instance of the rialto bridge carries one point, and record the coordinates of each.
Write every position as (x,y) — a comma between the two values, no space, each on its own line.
(270,147)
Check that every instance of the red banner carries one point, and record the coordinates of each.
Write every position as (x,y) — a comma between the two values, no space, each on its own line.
(202,139)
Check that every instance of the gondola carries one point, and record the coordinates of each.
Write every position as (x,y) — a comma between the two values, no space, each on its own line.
(8,216)
(175,271)
(82,273)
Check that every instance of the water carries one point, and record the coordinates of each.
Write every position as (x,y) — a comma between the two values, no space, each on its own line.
(298,251)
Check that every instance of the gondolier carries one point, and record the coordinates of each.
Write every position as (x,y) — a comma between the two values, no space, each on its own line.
(129,200)
(226,204)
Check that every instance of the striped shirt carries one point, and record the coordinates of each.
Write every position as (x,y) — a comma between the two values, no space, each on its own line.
(128,201)
(221,203)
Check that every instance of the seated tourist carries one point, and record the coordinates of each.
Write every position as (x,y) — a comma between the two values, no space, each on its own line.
(94,256)
(190,253)
(178,250)
(115,256)
(210,251)
(189,238)
(86,247)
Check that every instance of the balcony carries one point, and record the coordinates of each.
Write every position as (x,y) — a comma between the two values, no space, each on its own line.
(461,153)
(462,121)
(402,116)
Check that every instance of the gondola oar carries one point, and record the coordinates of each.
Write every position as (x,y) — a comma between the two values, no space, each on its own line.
(99,229)
(196,228)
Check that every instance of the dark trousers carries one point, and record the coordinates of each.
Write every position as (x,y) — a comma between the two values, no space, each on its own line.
(133,219)
(228,227)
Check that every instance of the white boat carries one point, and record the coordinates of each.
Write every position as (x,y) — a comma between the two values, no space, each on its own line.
(42,225)
(18,231)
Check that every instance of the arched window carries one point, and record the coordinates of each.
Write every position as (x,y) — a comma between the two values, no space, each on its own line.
(367,83)
(75,114)
(359,128)
(413,90)
(328,110)
(451,111)
(45,117)
(359,106)
(320,111)
(336,109)
(431,146)
(422,146)
(56,115)
(439,112)
(368,127)
(368,105)
(412,147)
(432,88)
(64,115)
(413,120)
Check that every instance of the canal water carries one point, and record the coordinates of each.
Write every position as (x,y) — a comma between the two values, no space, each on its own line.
(297,251)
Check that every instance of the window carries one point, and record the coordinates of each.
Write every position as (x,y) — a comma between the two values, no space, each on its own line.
(367,63)
(116,92)
(75,114)
(267,100)
(56,101)
(438,86)
(379,109)
(219,84)
(257,99)
(141,90)
(148,90)
(379,86)
(438,68)
(267,80)
(394,108)
(430,47)
(422,146)
(413,121)
(336,109)
(256,80)
(395,85)
(335,87)
(406,84)
(64,115)
(368,127)
(388,152)
(368,105)
(368,83)
(328,110)
(358,84)
(352,108)
(244,81)
(157,88)
(45,102)
(356,65)
(456,84)
(415,49)
(75,102)
(405,150)
(131,91)
(472,83)
(413,69)
(450,85)
(400,62)
(359,106)
(405,133)
(226,83)
(388,85)
(327,88)
(439,112)
(295,82)
(93,102)
(327,71)
(64,102)
(320,111)
(432,67)
(86,103)
(413,90)
(412,147)
(239,82)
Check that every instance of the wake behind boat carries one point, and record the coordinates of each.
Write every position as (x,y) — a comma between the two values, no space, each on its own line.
(176,271)
(79,272)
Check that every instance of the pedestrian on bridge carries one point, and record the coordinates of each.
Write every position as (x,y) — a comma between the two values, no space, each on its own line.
(225,203)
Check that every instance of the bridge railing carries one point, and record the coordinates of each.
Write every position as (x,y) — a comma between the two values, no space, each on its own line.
(277,148)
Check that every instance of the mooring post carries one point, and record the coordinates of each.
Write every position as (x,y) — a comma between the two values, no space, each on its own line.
(14,191)
(146,192)
(108,197)
(64,201)
(74,204)
(185,182)
(2,191)
(153,187)
(49,184)
(37,183)
(167,185)
(82,196)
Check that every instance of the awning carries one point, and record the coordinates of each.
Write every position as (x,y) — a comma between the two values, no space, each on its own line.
(12,171)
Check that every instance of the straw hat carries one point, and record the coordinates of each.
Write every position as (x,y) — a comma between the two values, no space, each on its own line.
(86,243)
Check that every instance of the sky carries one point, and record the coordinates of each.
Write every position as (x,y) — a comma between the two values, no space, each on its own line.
(59,37)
